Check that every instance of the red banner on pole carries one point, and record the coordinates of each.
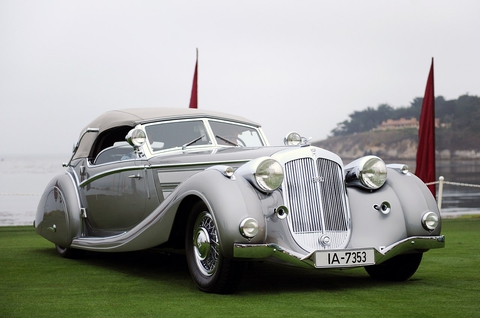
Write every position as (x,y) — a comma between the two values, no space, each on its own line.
(194,95)
(425,169)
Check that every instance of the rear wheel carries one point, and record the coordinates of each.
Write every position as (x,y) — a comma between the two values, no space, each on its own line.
(398,268)
(68,252)
(212,272)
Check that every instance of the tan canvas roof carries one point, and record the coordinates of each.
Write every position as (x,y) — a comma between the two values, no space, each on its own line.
(134,116)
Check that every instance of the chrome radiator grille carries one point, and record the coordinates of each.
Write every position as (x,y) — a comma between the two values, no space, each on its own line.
(315,195)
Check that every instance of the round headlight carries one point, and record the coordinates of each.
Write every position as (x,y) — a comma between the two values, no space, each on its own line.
(136,137)
(292,139)
(430,221)
(269,175)
(249,228)
(373,173)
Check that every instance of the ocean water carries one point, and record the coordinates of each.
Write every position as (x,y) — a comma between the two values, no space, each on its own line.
(23,180)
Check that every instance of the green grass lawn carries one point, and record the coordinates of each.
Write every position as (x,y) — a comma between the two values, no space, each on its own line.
(36,282)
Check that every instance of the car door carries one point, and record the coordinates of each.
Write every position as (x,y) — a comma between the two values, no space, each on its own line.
(115,195)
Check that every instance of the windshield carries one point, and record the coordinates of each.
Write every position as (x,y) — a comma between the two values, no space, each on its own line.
(177,134)
(185,134)
(230,134)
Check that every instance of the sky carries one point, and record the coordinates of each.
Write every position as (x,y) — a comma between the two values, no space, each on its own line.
(290,65)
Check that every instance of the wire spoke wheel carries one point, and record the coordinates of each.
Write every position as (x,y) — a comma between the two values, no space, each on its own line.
(210,270)
(205,244)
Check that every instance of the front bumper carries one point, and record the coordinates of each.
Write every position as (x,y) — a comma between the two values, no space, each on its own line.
(381,254)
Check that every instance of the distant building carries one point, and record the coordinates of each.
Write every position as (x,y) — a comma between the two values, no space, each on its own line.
(402,123)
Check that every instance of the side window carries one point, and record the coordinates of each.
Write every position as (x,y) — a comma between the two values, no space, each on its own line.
(119,151)
(111,146)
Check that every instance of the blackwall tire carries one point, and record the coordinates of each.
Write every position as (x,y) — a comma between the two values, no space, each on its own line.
(398,268)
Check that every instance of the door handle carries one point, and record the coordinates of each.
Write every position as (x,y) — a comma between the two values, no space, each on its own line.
(135,176)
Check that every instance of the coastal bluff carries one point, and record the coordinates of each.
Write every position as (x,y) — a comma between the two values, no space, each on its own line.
(398,144)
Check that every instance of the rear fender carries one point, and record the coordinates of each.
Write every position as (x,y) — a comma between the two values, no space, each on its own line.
(58,217)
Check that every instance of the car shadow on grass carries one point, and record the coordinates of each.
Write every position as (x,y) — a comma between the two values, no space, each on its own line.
(258,277)
(263,277)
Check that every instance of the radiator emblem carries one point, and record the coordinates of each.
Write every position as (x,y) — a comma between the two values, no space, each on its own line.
(318,179)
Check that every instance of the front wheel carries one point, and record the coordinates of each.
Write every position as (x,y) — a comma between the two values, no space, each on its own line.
(398,268)
(211,272)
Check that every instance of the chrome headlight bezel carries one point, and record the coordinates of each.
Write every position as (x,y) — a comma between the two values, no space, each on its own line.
(269,175)
(369,172)
(265,173)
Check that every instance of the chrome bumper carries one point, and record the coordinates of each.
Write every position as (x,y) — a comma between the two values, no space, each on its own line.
(382,253)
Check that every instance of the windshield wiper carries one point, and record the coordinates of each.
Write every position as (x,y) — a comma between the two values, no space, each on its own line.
(192,142)
(226,140)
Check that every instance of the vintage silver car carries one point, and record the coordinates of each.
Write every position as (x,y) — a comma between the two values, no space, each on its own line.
(209,185)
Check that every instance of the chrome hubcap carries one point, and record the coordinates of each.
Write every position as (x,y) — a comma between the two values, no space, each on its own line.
(202,243)
(206,244)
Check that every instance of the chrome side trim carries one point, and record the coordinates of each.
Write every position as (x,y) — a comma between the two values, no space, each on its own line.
(164,168)
(382,254)
(109,172)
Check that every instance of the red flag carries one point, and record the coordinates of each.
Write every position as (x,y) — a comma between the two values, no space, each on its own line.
(194,96)
(425,169)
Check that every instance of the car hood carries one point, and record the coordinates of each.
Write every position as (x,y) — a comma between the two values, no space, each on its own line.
(232,156)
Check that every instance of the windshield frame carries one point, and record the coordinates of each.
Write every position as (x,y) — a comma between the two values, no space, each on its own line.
(212,141)
(220,136)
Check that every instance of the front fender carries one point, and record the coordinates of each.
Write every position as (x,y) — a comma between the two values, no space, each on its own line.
(416,199)
(409,199)
(230,200)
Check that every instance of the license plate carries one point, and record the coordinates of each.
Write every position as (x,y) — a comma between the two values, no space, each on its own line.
(347,258)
